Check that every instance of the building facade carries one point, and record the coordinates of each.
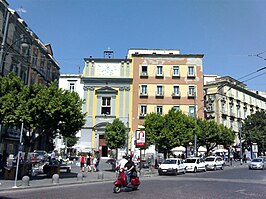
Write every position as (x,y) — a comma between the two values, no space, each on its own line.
(165,79)
(107,94)
(229,102)
(22,52)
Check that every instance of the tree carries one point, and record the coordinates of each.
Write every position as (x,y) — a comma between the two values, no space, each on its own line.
(168,131)
(116,135)
(10,88)
(210,134)
(254,130)
(46,111)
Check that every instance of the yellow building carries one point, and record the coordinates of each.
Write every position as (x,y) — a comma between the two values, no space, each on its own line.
(107,95)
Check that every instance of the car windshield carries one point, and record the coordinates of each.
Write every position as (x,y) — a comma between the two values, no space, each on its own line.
(169,162)
(257,160)
(209,159)
(190,160)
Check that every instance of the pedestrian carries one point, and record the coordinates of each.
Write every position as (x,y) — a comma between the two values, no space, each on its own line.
(52,157)
(97,156)
(94,163)
(88,163)
(82,162)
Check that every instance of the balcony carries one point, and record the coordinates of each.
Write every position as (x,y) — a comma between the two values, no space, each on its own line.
(191,95)
(142,115)
(191,75)
(159,94)
(159,75)
(143,94)
(176,94)
(177,75)
(144,74)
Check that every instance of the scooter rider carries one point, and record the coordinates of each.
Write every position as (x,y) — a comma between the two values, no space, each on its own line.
(122,162)
(130,168)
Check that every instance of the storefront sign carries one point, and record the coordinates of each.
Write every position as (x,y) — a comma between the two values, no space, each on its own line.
(140,138)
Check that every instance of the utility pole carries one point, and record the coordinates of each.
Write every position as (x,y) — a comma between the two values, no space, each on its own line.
(195,135)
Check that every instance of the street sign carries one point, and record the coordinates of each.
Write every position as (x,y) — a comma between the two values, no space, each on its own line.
(140,138)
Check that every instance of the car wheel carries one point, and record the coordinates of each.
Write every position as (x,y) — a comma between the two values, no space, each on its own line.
(205,169)
(184,171)
(195,170)
(222,167)
(176,172)
(160,173)
(214,168)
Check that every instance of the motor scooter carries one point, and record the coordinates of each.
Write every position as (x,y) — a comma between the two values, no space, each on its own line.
(121,182)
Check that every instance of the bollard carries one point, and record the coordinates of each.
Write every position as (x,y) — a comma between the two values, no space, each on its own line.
(25,181)
(100,175)
(55,179)
(80,177)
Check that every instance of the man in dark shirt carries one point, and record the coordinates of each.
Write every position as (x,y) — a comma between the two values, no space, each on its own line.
(130,168)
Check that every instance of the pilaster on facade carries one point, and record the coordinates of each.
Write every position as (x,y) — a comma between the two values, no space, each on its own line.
(231,102)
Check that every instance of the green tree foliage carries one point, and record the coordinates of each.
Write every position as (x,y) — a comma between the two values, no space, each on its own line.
(210,134)
(168,131)
(254,130)
(44,110)
(115,135)
(71,141)
(177,129)
(10,88)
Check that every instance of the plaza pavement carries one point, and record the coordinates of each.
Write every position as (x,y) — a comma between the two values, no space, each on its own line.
(105,174)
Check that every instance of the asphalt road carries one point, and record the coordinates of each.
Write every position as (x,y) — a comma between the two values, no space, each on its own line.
(231,183)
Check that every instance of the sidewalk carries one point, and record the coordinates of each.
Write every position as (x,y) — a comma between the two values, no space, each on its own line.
(105,174)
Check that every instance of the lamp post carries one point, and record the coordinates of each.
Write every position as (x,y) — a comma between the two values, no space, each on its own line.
(240,143)
(19,154)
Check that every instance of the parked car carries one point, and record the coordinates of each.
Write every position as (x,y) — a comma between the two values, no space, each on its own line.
(172,166)
(257,163)
(42,155)
(195,164)
(214,162)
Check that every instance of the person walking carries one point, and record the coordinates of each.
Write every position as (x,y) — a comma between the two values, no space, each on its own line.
(88,163)
(82,162)
(94,163)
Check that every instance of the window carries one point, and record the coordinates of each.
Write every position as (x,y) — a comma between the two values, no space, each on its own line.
(191,71)
(224,121)
(34,58)
(192,111)
(191,91)
(72,86)
(176,91)
(144,70)
(223,108)
(176,71)
(159,71)
(159,91)
(106,106)
(143,110)
(159,109)
(143,89)
(176,107)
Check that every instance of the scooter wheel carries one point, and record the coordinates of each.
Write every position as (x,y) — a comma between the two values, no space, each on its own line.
(117,189)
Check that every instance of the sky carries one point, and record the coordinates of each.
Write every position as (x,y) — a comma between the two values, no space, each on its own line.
(229,33)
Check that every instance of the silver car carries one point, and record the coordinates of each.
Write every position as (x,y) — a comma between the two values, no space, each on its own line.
(257,163)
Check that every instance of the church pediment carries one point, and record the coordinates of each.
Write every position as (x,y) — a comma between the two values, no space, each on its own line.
(106,90)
